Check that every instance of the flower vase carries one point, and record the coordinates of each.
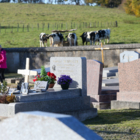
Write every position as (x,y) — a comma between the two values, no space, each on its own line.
(51,85)
(65,86)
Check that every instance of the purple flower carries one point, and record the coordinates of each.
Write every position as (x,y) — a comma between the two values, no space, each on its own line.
(64,79)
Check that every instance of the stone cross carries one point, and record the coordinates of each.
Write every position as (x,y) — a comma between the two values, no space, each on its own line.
(102,52)
(27,72)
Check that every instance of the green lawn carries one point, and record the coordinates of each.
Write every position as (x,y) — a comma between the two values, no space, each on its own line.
(116,124)
(128,30)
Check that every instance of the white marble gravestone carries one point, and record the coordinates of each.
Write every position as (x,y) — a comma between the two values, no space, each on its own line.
(128,56)
(75,67)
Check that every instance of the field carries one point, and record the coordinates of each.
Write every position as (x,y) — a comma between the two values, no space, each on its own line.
(13,17)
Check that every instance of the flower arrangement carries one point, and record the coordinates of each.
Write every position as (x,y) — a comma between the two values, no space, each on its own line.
(52,76)
(64,79)
(44,76)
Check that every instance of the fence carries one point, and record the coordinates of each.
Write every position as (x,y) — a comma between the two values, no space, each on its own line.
(56,26)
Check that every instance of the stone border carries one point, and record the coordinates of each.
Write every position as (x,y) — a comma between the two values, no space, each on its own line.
(74,48)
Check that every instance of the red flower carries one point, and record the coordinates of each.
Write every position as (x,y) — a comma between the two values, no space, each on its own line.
(48,73)
(35,79)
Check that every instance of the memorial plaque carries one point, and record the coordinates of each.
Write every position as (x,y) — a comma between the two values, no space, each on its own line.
(24,88)
(128,56)
(75,67)
(40,85)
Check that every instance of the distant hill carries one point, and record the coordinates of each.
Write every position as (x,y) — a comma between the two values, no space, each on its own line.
(21,24)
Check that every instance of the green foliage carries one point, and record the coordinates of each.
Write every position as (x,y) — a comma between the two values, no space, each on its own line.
(4,98)
(44,78)
(108,3)
(43,72)
(3,87)
(132,7)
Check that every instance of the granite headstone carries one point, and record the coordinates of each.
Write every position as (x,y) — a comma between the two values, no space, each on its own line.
(45,126)
(129,81)
(75,67)
(128,56)
(94,77)
(129,85)
(94,86)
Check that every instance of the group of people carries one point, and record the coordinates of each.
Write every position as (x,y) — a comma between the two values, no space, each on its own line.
(3,64)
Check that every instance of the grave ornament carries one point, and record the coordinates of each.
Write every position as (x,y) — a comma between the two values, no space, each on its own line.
(27,73)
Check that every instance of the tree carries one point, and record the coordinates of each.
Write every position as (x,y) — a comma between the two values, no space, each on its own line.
(108,3)
(132,7)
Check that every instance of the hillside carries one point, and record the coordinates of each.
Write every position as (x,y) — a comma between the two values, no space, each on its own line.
(13,17)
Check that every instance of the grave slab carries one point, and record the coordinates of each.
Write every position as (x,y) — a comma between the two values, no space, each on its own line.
(50,94)
(56,101)
(110,82)
(36,126)
(109,72)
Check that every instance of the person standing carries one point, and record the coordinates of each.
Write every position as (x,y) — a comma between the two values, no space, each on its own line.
(3,64)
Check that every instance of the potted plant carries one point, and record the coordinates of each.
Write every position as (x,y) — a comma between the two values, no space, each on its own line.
(43,77)
(64,81)
(53,79)
(4,97)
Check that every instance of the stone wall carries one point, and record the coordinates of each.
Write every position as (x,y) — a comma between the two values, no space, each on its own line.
(16,57)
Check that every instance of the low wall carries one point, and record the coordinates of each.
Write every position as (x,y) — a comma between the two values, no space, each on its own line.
(16,57)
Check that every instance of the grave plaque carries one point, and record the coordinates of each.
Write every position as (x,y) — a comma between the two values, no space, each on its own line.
(128,56)
(40,85)
(75,67)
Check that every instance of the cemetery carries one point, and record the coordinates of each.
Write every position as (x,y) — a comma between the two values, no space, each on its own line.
(93,93)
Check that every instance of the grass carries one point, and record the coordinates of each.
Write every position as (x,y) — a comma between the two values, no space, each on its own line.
(12,75)
(116,123)
(33,14)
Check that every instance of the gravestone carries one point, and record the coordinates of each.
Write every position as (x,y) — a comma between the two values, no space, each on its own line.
(94,85)
(75,67)
(45,126)
(129,85)
(128,56)
(73,101)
